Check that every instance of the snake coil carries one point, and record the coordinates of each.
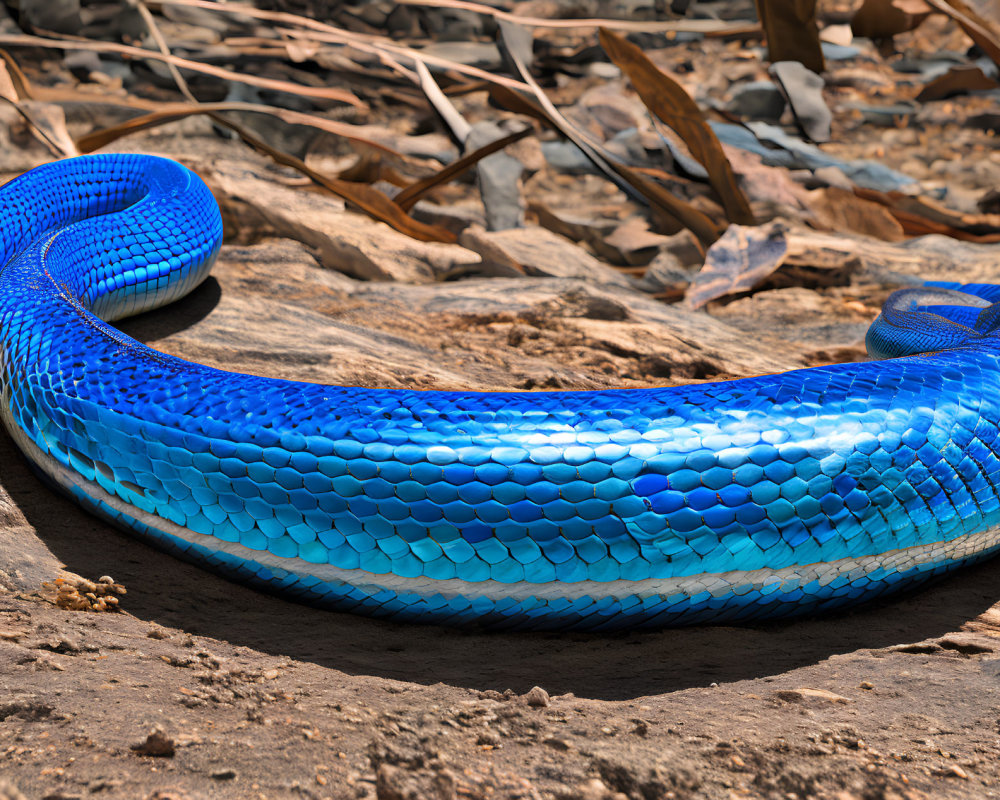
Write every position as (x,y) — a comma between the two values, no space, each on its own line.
(723,501)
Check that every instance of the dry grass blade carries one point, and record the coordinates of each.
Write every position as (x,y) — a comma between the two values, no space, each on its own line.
(667,100)
(316,31)
(412,193)
(19,82)
(161,43)
(675,214)
(365,197)
(451,116)
(706,26)
(170,112)
(7,90)
(337,95)
(385,48)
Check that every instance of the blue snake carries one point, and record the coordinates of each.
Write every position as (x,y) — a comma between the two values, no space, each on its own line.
(734,500)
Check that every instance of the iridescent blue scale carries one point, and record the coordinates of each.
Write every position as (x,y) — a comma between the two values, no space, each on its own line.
(727,501)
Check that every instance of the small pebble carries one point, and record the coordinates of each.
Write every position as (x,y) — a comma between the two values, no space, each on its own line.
(537,697)
(157,743)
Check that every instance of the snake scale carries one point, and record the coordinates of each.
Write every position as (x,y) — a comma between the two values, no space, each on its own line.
(734,500)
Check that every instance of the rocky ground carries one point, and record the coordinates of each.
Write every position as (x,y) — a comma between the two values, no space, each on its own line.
(200,688)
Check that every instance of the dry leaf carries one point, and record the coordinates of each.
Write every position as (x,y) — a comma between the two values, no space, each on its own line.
(881,19)
(837,209)
(368,199)
(169,112)
(668,101)
(741,259)
(919,216)
(674,213)
(958,80)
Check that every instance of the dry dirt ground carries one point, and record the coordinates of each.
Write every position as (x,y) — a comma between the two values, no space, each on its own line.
(205,689)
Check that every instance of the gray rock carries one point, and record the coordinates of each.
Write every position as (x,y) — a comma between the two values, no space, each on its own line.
(777,148)
(483,55)
(888,116)
(565,156)
(540,252)
(342,240)
(81,63)
(499,179)
(839,52)
(757,100)
(804,89)
(51,15)
(664,272)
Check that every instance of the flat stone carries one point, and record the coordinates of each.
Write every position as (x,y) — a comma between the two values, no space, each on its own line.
(811,697)
(342,240)
(499,177)
(804,89)
(540,252)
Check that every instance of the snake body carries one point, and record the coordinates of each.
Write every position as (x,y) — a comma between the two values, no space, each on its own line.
(733,500)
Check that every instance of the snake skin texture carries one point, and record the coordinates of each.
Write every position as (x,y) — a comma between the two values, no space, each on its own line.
(736,500)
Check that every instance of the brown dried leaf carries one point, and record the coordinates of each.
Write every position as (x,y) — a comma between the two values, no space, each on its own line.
(668,101)
(741,259)
(958,80)
(881,19)
(837,209)
(367,198)
(920,215)
(674,213)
